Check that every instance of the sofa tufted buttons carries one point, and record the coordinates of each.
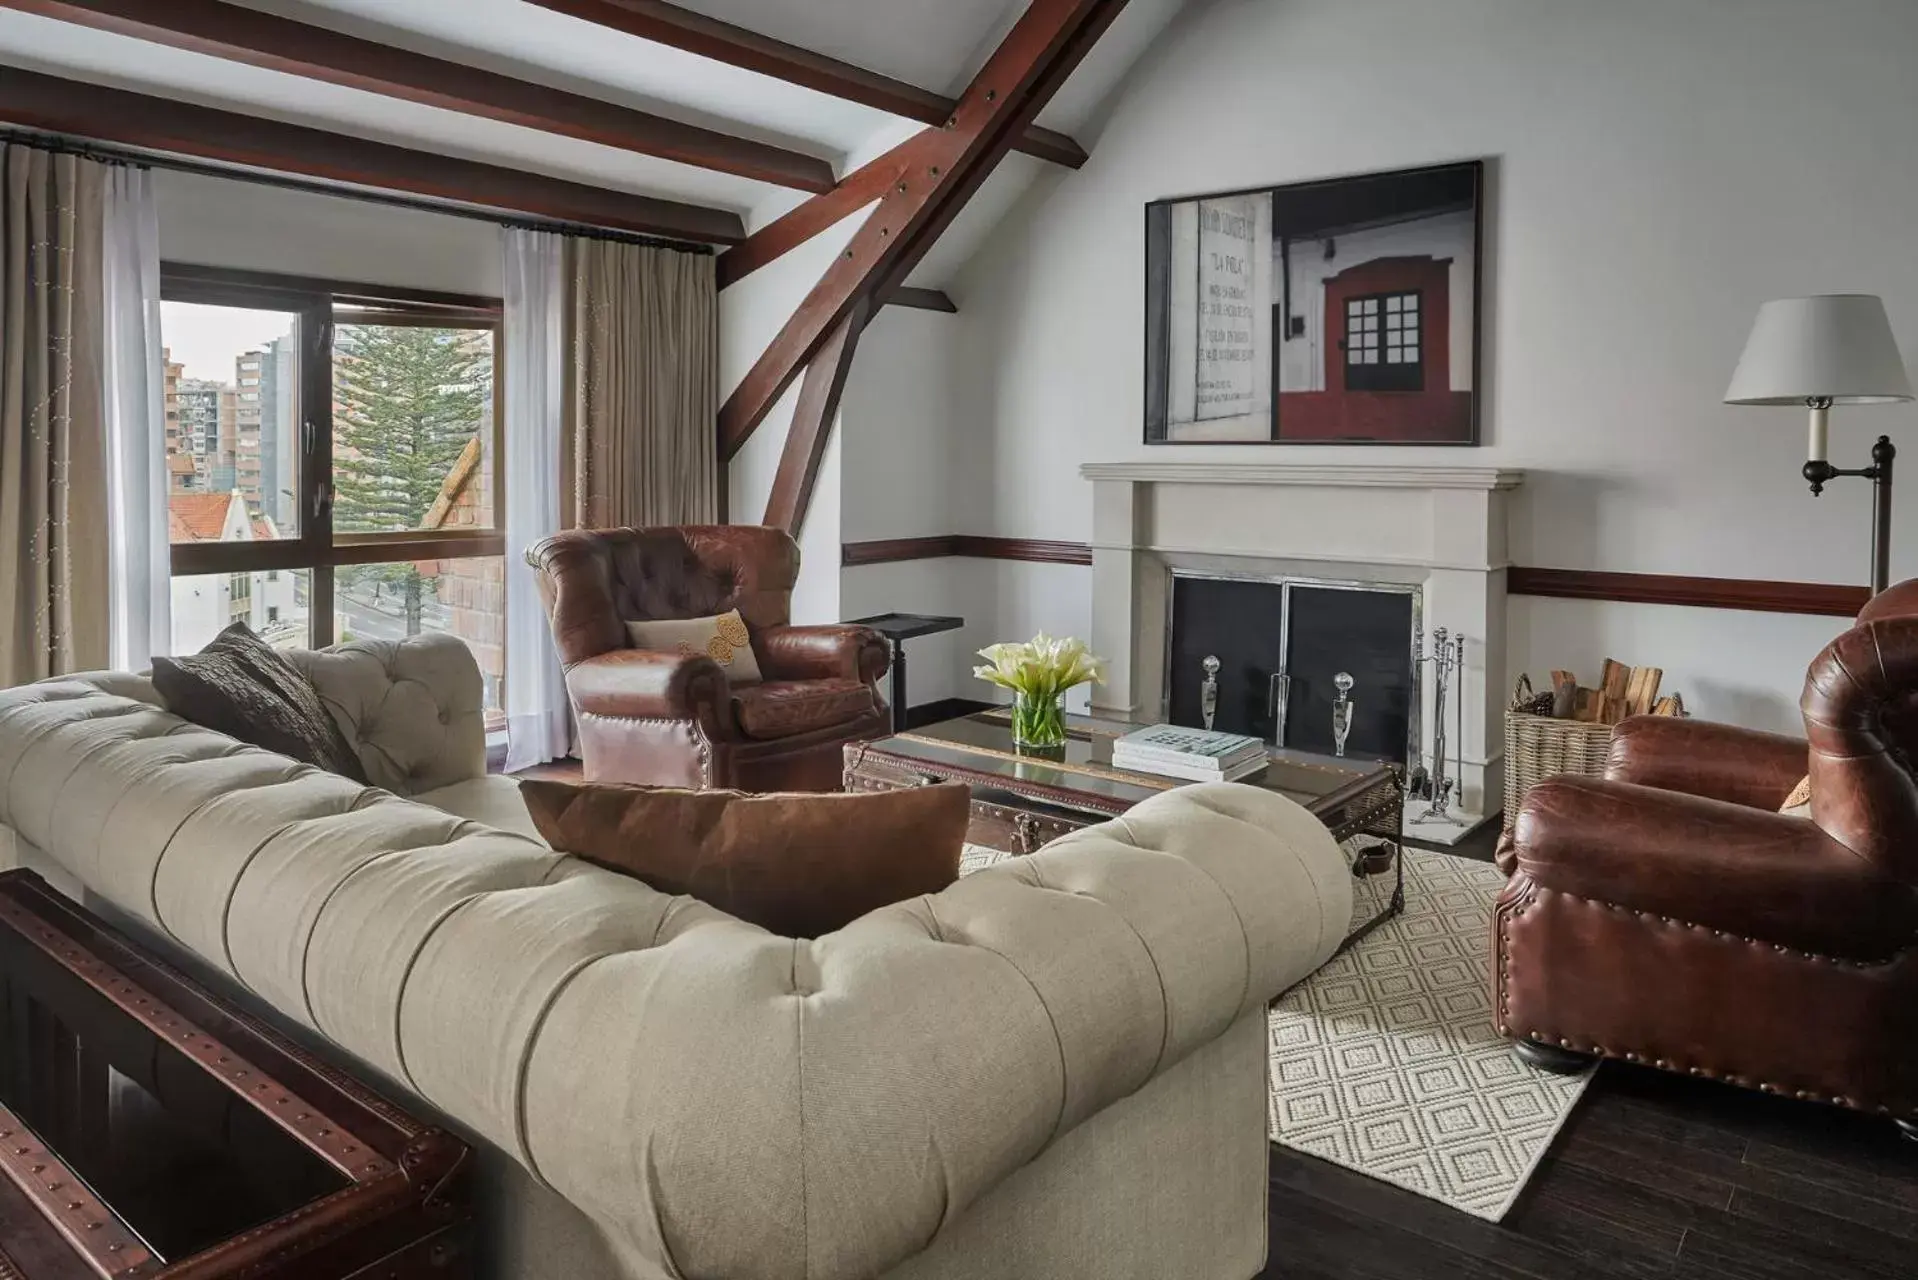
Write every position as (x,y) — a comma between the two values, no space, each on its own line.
(446,717)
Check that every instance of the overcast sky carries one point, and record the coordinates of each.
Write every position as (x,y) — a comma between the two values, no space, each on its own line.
(206,339)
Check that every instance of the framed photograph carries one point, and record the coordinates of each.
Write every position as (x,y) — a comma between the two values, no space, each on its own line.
(1336,312)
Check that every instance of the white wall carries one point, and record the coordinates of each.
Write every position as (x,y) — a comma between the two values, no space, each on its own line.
(1657,168)
(224,223)
(895,472)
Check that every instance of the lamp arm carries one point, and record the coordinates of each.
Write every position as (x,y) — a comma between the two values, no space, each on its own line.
(1883,453)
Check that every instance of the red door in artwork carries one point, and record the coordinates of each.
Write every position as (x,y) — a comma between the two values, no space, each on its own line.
(1388,359)
(1388,326)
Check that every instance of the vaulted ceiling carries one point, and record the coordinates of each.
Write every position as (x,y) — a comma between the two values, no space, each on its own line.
(784,96)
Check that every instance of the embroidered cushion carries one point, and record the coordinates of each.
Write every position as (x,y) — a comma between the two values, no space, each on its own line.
(724,639)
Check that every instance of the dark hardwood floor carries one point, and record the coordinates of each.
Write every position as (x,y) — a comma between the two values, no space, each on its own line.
(1654,1175)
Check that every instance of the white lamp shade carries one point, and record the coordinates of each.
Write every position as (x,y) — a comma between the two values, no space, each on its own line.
(1836,346)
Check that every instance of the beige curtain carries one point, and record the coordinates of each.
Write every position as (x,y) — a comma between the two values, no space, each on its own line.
(642,395)
(53,473)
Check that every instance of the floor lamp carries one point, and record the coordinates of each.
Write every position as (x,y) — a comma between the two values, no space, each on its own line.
(1817,352)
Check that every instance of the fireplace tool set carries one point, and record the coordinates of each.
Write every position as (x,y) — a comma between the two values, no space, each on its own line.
(1437,786)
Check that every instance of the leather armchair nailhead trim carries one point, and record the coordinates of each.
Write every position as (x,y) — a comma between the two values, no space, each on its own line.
(1519,908)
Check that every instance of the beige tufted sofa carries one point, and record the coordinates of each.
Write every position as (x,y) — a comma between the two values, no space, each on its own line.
(1054,1069)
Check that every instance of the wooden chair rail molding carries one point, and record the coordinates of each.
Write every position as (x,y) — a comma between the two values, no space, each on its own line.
(977,546)
(1821,599)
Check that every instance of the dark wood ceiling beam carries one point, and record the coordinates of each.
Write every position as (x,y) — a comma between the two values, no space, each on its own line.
(669,24)
(922,300)
(280,44)
(811,429)
(783,234)
(139,120)
(943,169)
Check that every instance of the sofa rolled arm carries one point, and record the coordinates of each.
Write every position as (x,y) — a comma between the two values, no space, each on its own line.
(833,652)
(909,1062)
(1700,758)
(1755,874)
(648,684)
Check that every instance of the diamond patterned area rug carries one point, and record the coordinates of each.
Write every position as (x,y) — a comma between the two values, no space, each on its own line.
(1386,1061)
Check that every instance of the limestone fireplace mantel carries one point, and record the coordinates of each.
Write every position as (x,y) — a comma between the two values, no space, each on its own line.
(1441,528)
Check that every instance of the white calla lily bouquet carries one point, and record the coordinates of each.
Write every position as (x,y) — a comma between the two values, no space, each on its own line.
(1038,673)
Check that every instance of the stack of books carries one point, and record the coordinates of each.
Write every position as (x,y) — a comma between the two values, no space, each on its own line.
(1199,755)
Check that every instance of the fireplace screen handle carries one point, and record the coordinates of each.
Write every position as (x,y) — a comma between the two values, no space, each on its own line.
(1281,690)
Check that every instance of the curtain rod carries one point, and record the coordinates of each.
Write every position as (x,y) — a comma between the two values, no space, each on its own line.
(62,144)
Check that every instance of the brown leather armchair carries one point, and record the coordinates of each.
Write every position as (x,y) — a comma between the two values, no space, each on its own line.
(1668,914)
(673,720)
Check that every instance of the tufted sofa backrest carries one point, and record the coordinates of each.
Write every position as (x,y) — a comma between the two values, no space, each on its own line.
(412,709)
(595,581)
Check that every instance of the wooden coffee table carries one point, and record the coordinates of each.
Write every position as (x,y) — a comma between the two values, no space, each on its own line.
(1022,799)
(148,1130)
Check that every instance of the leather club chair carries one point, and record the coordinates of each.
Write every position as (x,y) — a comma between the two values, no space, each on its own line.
(669,719)
(1669,915)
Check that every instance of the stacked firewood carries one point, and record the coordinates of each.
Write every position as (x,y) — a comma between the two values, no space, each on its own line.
(1621,691)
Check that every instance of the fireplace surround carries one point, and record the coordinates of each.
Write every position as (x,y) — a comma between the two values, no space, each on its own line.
(1437,530)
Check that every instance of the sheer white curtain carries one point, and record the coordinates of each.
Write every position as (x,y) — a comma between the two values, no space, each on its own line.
(139,616)
(538,726)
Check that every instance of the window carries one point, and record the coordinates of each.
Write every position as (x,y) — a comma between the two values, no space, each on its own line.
(357,465)
(1383,343)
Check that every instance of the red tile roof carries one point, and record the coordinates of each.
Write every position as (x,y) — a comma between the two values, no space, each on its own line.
(197,517)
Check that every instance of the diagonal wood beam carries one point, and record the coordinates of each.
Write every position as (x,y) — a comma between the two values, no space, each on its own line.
(783,234)
(297,48)
(669,24)
(138,120)
(944,167)
(812,423)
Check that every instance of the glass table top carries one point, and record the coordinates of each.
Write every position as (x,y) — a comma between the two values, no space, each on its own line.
(983,742)
(178,1157)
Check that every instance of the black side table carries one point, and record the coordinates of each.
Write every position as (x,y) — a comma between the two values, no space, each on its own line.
(899,628)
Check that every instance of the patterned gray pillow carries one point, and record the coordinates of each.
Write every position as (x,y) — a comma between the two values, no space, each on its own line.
(242,687)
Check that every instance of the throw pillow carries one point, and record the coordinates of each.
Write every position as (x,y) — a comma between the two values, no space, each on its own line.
(243,687)
(724,639)
(799,864)
(1798,803)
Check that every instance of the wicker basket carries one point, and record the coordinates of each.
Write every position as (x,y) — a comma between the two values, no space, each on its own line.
(1539,747)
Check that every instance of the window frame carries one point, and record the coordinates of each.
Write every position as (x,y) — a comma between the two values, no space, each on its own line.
(321,305)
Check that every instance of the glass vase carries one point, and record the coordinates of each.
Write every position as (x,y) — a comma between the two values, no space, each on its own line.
(1039,721)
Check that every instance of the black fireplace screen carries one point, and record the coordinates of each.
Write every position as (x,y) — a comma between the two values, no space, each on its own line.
(1279,647)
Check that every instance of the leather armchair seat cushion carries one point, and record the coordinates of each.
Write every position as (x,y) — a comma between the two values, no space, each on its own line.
(783,708)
